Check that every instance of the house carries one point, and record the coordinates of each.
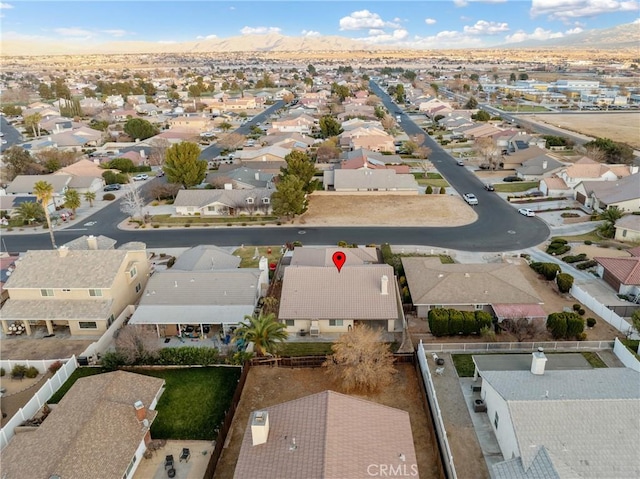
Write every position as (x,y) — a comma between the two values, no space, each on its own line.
(514,160)
(467,287)
(302,124)
(90,242)
(361,159)
(538,167)
(84,290)
(205,258)
(100,429)
(628,228)
(327,435)
(83,167)
(243,178)
(556,423)
(318,256)
(224,202)
(600,195)
(373,139)
(218,299)
(77,138)
(24,184)
(319,299)
(369,180)
(554,186)
(622,274)
(269,153)
(7,265)
(586,169)
(477,130)
(10,203)
(193,123)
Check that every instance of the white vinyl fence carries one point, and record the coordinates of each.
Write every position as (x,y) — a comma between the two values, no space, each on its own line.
(42,365)
(441,432)
(106,340)
(38,400)
(625,356)
(518,347)
(601,310)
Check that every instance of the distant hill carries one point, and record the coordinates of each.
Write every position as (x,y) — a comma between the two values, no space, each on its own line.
(621,37)
(615,38)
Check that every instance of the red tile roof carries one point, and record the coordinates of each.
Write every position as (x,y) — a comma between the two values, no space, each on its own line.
(625,270)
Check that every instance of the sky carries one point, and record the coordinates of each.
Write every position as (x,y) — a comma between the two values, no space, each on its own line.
(406,24)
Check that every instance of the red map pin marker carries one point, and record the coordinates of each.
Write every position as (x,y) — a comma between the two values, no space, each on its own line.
(338,259)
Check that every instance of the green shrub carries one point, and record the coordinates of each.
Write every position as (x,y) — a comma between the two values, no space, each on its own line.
(559,241)
(581,312)
(188,356)
(19,370)
(488,334)
(2,372)
(455,322)
(557,249)
(342,244)
(108,197)
(564,282)
(591,322)
(429,190)
(588,242)
(112,360)
(575,326)
(483,320)
(581,337)
(548,270)
(575,259)
(443,190)
(439,322)
(468,322)
(32,372)
(557,325)
(587,264)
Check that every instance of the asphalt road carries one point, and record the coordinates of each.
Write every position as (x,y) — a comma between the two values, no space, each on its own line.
(11,135)
(499,227)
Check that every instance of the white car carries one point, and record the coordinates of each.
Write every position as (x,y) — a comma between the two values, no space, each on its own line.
(526,212)
(141,177)
(470,198)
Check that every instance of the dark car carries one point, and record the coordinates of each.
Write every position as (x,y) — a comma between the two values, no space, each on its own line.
(113,187)
(511,179)
(489,187)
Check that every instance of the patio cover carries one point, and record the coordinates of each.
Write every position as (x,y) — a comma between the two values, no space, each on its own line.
(517,311)
(197,314)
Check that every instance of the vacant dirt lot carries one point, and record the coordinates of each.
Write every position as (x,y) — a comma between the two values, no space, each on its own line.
(387,210)
(616,126)
(267,386)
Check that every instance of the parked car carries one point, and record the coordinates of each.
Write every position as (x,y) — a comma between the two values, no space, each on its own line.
(511,179)
(526,212)
(489,187)
(160,174)
(470,198)
(537,193)
(141,177)
(113,187)
(460,163)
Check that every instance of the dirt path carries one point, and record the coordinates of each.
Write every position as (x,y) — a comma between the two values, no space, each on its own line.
(267,386)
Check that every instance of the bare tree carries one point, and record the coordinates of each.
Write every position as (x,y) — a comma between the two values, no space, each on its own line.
(488,149)
(132,203)
(361,361)
(231,141)
(137,344)
(596,154)
(219,182)
(387,122)
(159,147)
(523,327)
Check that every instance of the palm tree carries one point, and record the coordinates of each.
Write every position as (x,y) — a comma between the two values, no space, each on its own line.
(29,211)
(610,216)
(263,331)
(90,196)
(44,194)
(72,200)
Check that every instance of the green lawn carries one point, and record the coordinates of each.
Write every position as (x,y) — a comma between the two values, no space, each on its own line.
(591,236)
(247,253)
(304,349)
(515,187)
(523,108)
(434,180)
(594,359)
(464,365)
(193,404)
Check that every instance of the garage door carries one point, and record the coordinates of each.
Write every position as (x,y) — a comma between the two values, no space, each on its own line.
(580,198)
(611,280)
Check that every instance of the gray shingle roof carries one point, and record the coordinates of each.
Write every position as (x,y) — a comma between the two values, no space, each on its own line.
(84,242)
(373,179)
(623,189)
(27,309)
(93,432)
(24,183)
(541,468)
(194,314)
(432,282)
(205,257)
(245,175)
(78,269)
(323,293)
(336,436)
(231,198)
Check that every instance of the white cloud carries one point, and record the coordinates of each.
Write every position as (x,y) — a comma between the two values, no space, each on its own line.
(538,34)
(482,27)
(232,8)
(446,39)
(374,32)
(207,37)
(396,37)
(636,22)
(464,3)
(573,31)
(310,33)
(430,21)
(364,19)
(73,32)
(116,32)
(5,6)
(259,30)
(566,9)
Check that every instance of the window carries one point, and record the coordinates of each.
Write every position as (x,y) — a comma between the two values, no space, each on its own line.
(46,292)
(477,307)
(495,420)
(335,322)
(133,271)
(87,325)
(65,290)
(95,292)
(249,201)
(624,233)
(138,288)
(266,201)
(290,322)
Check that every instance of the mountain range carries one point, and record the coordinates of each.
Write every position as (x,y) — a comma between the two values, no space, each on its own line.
(619,37)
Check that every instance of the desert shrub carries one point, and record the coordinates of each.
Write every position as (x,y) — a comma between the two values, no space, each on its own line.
(575,259)
(581,312)
(488,334)
(19,370)
(455,322)
(108,197)
(581,337)
(587,264)
(565,325)
(342,244)
(443,190)
(429,190)
(55,366)
(32,372)
(575,326)
(591,322)
(576,306)
(559,241)
(564,282)
(112,360)
(548,270)
(588,242)
(556,249)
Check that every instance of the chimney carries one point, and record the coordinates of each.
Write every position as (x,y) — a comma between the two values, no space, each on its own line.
(228,186)
(384,286)
(538,362)
(92,242)
(259,427)
(141,411)
(63,251)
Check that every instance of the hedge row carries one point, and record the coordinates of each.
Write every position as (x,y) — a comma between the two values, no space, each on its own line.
(183,356)
(548,270)
(565,325)
(587,264)
(575,259)
(450,322)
